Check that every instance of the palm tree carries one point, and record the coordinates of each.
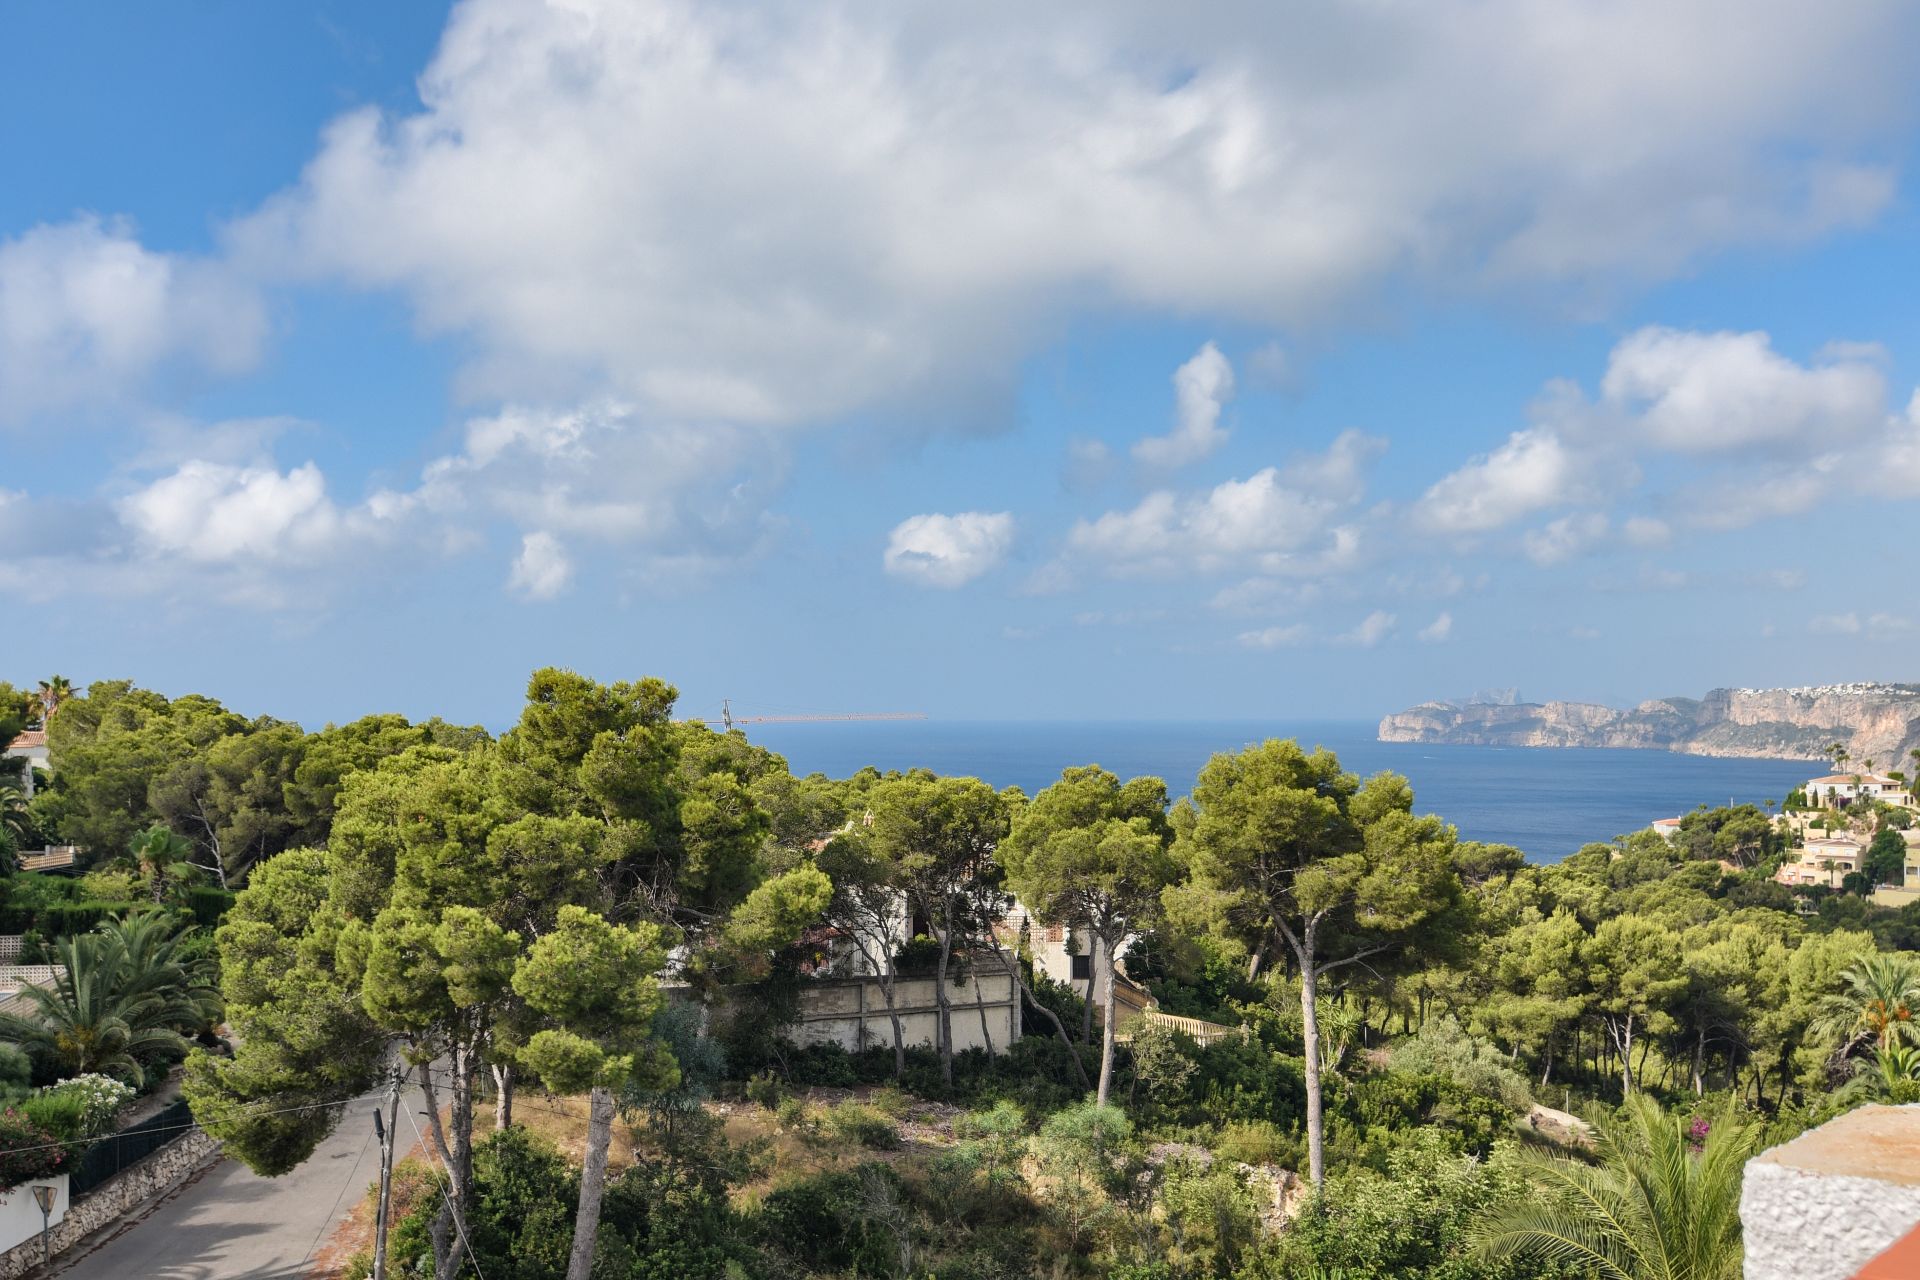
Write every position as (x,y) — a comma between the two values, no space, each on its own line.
(162,856)
(1893,1075)
(1878,1000)
(123,995)
(1659,1206)
(47,698)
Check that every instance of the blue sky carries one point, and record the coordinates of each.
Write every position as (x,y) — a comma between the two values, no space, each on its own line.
(1106,363)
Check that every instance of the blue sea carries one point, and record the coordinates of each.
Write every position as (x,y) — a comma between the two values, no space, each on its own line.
(1546,802)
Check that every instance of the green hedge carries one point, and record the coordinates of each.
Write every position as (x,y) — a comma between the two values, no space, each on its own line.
(209,905)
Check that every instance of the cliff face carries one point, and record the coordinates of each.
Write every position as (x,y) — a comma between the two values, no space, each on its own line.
(1878,722)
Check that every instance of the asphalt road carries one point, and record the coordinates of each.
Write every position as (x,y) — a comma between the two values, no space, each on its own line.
(228,1223)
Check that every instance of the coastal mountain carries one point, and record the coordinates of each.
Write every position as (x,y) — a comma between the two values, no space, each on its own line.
(1878,722)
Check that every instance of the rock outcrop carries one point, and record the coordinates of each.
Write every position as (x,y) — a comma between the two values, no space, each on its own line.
(1878,722)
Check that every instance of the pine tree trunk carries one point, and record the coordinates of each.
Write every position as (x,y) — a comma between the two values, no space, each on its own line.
(1106,1029)
(1310,1034)
(503,1096)
(1699,1062)
(943,1017)
(593,1182)
(887,993)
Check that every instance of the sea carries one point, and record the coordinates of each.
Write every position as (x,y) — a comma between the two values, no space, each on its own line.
(1547,802)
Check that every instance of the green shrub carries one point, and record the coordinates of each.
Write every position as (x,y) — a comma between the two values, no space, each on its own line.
(1257,1142)
(110,886)
(27,1151)
(1443,1048)
(525,1192)
(209,904)
(888,1100)
(857,1122)
(766,1090)
(818,1222)
(16,1069)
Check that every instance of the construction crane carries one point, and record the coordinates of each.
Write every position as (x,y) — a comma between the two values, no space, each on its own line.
(728,719)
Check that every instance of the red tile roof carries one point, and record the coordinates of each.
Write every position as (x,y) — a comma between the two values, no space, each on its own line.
(1900,1261)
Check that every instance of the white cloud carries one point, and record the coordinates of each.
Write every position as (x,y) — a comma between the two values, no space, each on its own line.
(1339,474)
(1372,629)
(1565,538)
(247,515)
(88,316)
(1708,392)
(1439,631)
(542,570)
(949,550)
(1276,637)
(1256,519)
(1756,436)
(685,496)
(1202,386)
(1878,627)
(752,214)
(1531,472)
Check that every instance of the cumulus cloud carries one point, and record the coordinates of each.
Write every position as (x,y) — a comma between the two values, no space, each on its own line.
(1293,522)
(755,215)
(680,496)
(1253,519)
(219,513)
(1372,629)
(1439,631)
(1532,471)
(1754,436)
(542,570)
(949,550)
(1202,386)
(1339,474)
(1565,538)
(1710,392)
(88,316)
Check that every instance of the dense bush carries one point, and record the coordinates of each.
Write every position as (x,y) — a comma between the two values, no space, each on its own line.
(1443,1048)
(1410,1222)
(27,1151)
(1372,1117)
(817,1221)
(858,1123)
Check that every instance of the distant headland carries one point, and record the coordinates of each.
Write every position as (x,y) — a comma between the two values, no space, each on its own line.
(1873,722)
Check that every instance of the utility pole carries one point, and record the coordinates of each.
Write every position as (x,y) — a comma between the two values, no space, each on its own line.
(386,1135)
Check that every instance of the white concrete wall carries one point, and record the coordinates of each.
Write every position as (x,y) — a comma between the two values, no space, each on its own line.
(1801,1225)
(1823,1205)
(20,1216)
(852,1012)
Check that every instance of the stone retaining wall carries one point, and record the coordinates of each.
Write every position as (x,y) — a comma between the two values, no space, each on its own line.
(162,1171)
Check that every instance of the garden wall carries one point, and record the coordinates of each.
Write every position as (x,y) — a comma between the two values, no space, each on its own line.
(162,1171)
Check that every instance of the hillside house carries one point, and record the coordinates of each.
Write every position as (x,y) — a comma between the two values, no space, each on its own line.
(1668,827)
(27,752)
(1825,861)
(1837,790)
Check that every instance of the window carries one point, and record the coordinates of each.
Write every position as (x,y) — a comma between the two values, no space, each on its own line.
(1082,967)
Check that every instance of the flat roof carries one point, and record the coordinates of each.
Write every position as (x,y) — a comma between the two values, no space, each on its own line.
(1874,1141)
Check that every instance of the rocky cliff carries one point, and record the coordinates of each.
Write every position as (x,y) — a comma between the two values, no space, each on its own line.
(1878,722)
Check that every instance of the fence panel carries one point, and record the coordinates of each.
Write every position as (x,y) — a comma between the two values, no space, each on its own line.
(112,1154)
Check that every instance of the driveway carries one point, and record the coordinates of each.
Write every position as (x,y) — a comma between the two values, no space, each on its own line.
(228,1223)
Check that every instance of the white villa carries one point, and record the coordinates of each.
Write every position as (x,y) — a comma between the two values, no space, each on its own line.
(1825,861)
(28,751)
(1837,790)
